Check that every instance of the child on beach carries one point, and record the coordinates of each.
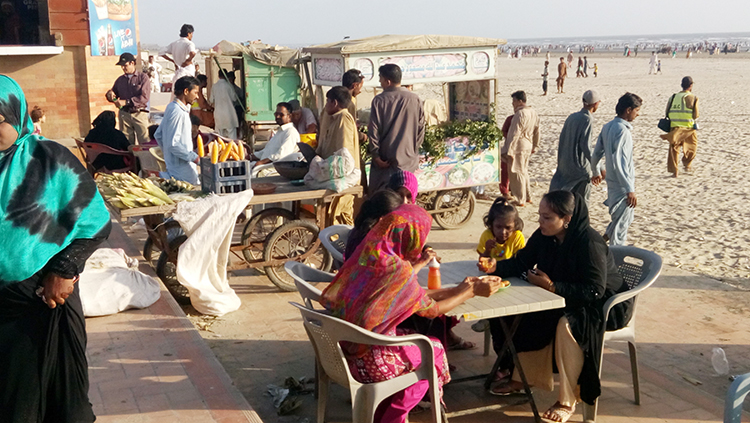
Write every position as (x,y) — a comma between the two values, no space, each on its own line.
(38,118)
(596,70)
(501,240)
(658,67)
(503,237)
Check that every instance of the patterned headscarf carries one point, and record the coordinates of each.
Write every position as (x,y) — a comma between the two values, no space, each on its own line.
(47,199)
(377,288)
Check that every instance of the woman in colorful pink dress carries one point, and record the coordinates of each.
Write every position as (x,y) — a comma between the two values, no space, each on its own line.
(377,289)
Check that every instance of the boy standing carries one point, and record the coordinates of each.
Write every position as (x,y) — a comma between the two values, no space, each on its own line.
(545,75)
(615,144)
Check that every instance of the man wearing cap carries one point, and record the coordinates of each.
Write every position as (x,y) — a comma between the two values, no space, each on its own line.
(682,110)
(574,150)
(131,94)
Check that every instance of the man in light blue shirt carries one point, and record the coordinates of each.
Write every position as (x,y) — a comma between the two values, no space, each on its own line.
(615,144)
(174,135)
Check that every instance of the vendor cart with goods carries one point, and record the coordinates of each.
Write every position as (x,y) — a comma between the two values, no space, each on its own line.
(268,239)
(267,75)
(459,153)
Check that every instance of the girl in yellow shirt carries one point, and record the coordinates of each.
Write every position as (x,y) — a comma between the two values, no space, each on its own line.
(502,238)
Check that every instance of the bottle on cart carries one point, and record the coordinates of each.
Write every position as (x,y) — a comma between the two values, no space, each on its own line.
(433,278)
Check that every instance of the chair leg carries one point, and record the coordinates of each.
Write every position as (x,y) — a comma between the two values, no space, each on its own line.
(487,341)
(322,384)
(634,369)
(589,412)
(316,393)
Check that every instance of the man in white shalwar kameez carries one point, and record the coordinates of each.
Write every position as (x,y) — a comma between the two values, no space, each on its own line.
(223,98)
(615,144)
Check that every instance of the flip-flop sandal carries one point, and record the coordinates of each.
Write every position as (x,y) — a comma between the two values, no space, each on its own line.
(502,375)
(493,391)
(462,345)
(563,414)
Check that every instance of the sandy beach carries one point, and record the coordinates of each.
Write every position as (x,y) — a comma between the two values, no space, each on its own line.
(697,221)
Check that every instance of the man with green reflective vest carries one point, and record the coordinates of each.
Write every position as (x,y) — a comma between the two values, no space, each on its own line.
(682,110)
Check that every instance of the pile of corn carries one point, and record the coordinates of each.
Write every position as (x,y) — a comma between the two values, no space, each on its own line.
(172,185)
(126,190)
(220,150)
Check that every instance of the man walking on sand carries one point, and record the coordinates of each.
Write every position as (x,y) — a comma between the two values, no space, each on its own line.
(396,129)
(615,144)
(574,150)
(521,142)
(682,109)
(652,63)
(545,75)
(562,73)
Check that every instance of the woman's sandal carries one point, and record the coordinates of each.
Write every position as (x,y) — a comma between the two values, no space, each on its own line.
(461,344)
(505,389)
(558,413)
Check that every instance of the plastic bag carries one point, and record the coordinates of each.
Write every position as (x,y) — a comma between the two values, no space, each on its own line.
(336,173)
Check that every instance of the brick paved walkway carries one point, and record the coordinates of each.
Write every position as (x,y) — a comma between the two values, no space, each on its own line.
(151,365)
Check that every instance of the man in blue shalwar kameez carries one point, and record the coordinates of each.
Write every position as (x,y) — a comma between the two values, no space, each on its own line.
(615,144)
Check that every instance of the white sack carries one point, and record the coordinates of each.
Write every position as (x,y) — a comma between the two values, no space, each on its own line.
(202,259)
(336,173)
(112,283)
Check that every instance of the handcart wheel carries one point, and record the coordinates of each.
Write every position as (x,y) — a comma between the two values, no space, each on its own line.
(291,240)
(152,251)
(166,269)
(259,227)
(461,201)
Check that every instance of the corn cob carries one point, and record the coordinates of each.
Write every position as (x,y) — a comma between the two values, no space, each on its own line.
(225,153)
(201,151)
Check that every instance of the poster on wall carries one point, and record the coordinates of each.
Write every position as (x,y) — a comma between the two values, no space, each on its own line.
(470,100)
(112,27)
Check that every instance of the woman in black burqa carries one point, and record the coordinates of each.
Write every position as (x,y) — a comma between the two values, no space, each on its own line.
(568,257)
(104,132)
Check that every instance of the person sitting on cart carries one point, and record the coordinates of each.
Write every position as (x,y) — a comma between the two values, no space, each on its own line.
(340,131)
(303,118)
(284,141)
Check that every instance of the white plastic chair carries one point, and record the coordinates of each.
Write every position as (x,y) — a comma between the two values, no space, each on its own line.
(302,276)
(639,269)
(334,240)
(736,394)
(326,332)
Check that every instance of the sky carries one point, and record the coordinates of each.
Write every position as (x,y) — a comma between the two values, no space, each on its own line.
(306,22)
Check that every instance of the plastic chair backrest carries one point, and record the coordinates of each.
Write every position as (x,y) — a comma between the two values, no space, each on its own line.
(334,239)
(736,394)
(90,151)
(639,269)
(302,276)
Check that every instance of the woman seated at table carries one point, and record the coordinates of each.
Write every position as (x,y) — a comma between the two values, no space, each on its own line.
(377,288)
(104,132)
(568,257)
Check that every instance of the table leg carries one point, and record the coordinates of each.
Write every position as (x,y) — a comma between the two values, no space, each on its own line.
(506,345)
(509,341)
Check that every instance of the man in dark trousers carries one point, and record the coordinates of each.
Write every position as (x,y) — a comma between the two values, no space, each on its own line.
(131,94)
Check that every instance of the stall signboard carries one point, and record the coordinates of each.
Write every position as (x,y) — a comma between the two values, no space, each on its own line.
(112,27)
(453,170)
(418,66)
(456,171)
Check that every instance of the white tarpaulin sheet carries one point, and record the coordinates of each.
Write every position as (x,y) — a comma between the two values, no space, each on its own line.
(385,43)
(264,53)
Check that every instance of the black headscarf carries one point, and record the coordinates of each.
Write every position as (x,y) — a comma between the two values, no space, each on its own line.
(104,132)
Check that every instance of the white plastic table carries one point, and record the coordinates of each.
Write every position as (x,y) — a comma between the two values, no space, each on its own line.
(519,298)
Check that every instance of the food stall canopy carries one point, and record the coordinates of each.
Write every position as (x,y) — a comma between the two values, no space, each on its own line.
(391,42)
(263,53)
(422,58)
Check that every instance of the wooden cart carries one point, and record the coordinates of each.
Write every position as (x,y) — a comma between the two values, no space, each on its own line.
(269,239)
